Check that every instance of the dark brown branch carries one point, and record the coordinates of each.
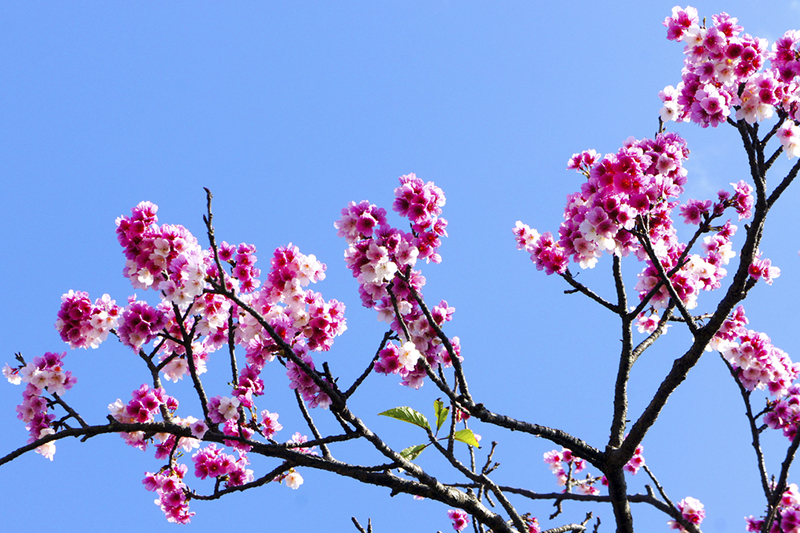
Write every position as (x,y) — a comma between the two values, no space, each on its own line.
(361,529)
(660,330)
(568,277)
(625,363)
(72,413)
(349,392)
(702,336)
(263,480)
(186,342)
(776,193)
(562,438)
(310,421)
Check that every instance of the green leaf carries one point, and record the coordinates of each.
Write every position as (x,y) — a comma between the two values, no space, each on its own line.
(467,436)
(441,413)
(412,452)
(407,414)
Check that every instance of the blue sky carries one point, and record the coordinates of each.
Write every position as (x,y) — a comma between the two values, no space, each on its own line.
(287,113)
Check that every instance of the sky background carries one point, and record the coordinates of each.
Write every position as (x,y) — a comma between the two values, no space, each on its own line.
(288,112)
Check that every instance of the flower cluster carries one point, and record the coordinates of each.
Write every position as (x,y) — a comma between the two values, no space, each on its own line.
(192,321)
(422,205)
(564,465)
(757,362)
(784,412)
(145,403)
(166,258)
(626,206)
(242,259)
(269,424)
(565,472)
(382,259)
(140,323)
(723,71)
(763,269)
(787,519)
(82,324)
(213,462)
(305,384)
(789,136)
(221,409)
(300,316)
(692,511)
(460,519)
(43,373)
(636,462)
(168,443)
(622,191)
(699,273)
(172,496)
(297,440)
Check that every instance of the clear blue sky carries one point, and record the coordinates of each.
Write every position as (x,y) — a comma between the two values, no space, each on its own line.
(288,113)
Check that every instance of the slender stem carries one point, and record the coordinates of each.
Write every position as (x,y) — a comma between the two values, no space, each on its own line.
(357,383)
(310,421)
(588,292)
(780,486)
(751,419)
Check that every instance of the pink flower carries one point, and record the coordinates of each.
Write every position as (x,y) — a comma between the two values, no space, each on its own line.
(762,268)
(636,462)
(694,210)
(680,21)
(460,519)
(692,511)
(270,423)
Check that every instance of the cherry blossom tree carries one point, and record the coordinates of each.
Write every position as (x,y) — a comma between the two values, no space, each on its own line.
(211,304)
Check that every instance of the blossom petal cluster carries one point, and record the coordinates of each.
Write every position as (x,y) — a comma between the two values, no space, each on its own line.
(564,465)
(725,70)
(145,404)
(165,258)
(172,493)
(626,206)
(213,462)
(382,259)
(757,362)
(302,318)
(639,183)
(140,323)
(787,517)
(460,519)
(44,373)
(82,324)
(692,511)
(194,319)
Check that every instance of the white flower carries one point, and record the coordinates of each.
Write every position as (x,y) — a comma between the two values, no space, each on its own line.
(11,376)
(294,480)
(409,355)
